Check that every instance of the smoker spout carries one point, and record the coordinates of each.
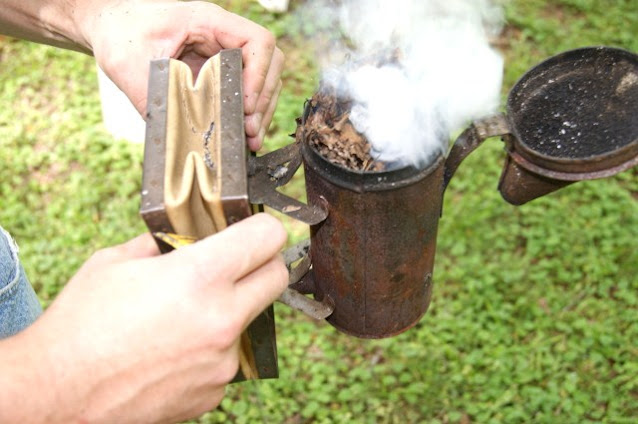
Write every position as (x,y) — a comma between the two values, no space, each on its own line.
(519,186)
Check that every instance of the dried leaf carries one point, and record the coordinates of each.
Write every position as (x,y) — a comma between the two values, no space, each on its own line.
(329,130)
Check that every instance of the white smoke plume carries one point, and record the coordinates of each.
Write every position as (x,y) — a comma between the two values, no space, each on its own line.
(442,72)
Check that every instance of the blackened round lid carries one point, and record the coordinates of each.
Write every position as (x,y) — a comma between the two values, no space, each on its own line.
(579,105)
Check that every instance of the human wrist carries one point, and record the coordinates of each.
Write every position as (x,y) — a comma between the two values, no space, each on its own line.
(43,379)
(97,20)
(27,389)
(45,21)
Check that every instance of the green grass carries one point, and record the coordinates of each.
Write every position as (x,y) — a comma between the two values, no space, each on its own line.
(535,309)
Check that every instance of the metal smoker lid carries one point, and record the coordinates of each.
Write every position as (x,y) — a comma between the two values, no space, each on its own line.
(578,112)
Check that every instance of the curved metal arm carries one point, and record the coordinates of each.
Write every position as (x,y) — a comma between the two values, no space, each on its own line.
(470,139)
(267,173)
(293,296)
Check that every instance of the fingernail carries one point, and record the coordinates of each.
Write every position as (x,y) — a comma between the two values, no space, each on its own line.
(261,136)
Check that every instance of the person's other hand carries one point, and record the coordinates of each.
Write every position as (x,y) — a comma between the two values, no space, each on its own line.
(138,337)
(126,35)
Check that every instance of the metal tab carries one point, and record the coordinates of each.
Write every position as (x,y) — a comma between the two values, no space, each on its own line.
(293,297)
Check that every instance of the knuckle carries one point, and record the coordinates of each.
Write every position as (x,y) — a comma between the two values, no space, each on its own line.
(229,367)
(197,273)
(266,98)
(209,402)
(215,398)
(198,405)
(268,39)
(252,126)
(107,254)
(226,332)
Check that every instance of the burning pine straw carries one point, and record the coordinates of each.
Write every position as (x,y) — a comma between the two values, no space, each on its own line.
(328,129)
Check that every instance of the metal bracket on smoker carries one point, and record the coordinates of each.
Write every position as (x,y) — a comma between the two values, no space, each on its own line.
(293,296)
(275,169)
(265,174)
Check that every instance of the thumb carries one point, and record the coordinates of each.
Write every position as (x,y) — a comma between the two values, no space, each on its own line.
(236,251)
(261,288)
(142,246)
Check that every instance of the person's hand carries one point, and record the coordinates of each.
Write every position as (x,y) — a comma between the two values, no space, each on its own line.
(126,35)
(137,337)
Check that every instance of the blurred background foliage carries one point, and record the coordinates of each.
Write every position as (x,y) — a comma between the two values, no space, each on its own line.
(534,315)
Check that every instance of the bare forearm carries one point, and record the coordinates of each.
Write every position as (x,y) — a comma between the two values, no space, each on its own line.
(25,386)
(53,22)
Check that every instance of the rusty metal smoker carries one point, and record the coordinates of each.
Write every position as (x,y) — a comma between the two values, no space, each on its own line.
(373,256)
(369,262)
(571,118)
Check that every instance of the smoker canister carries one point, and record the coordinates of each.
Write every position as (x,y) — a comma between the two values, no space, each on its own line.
(374,254)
